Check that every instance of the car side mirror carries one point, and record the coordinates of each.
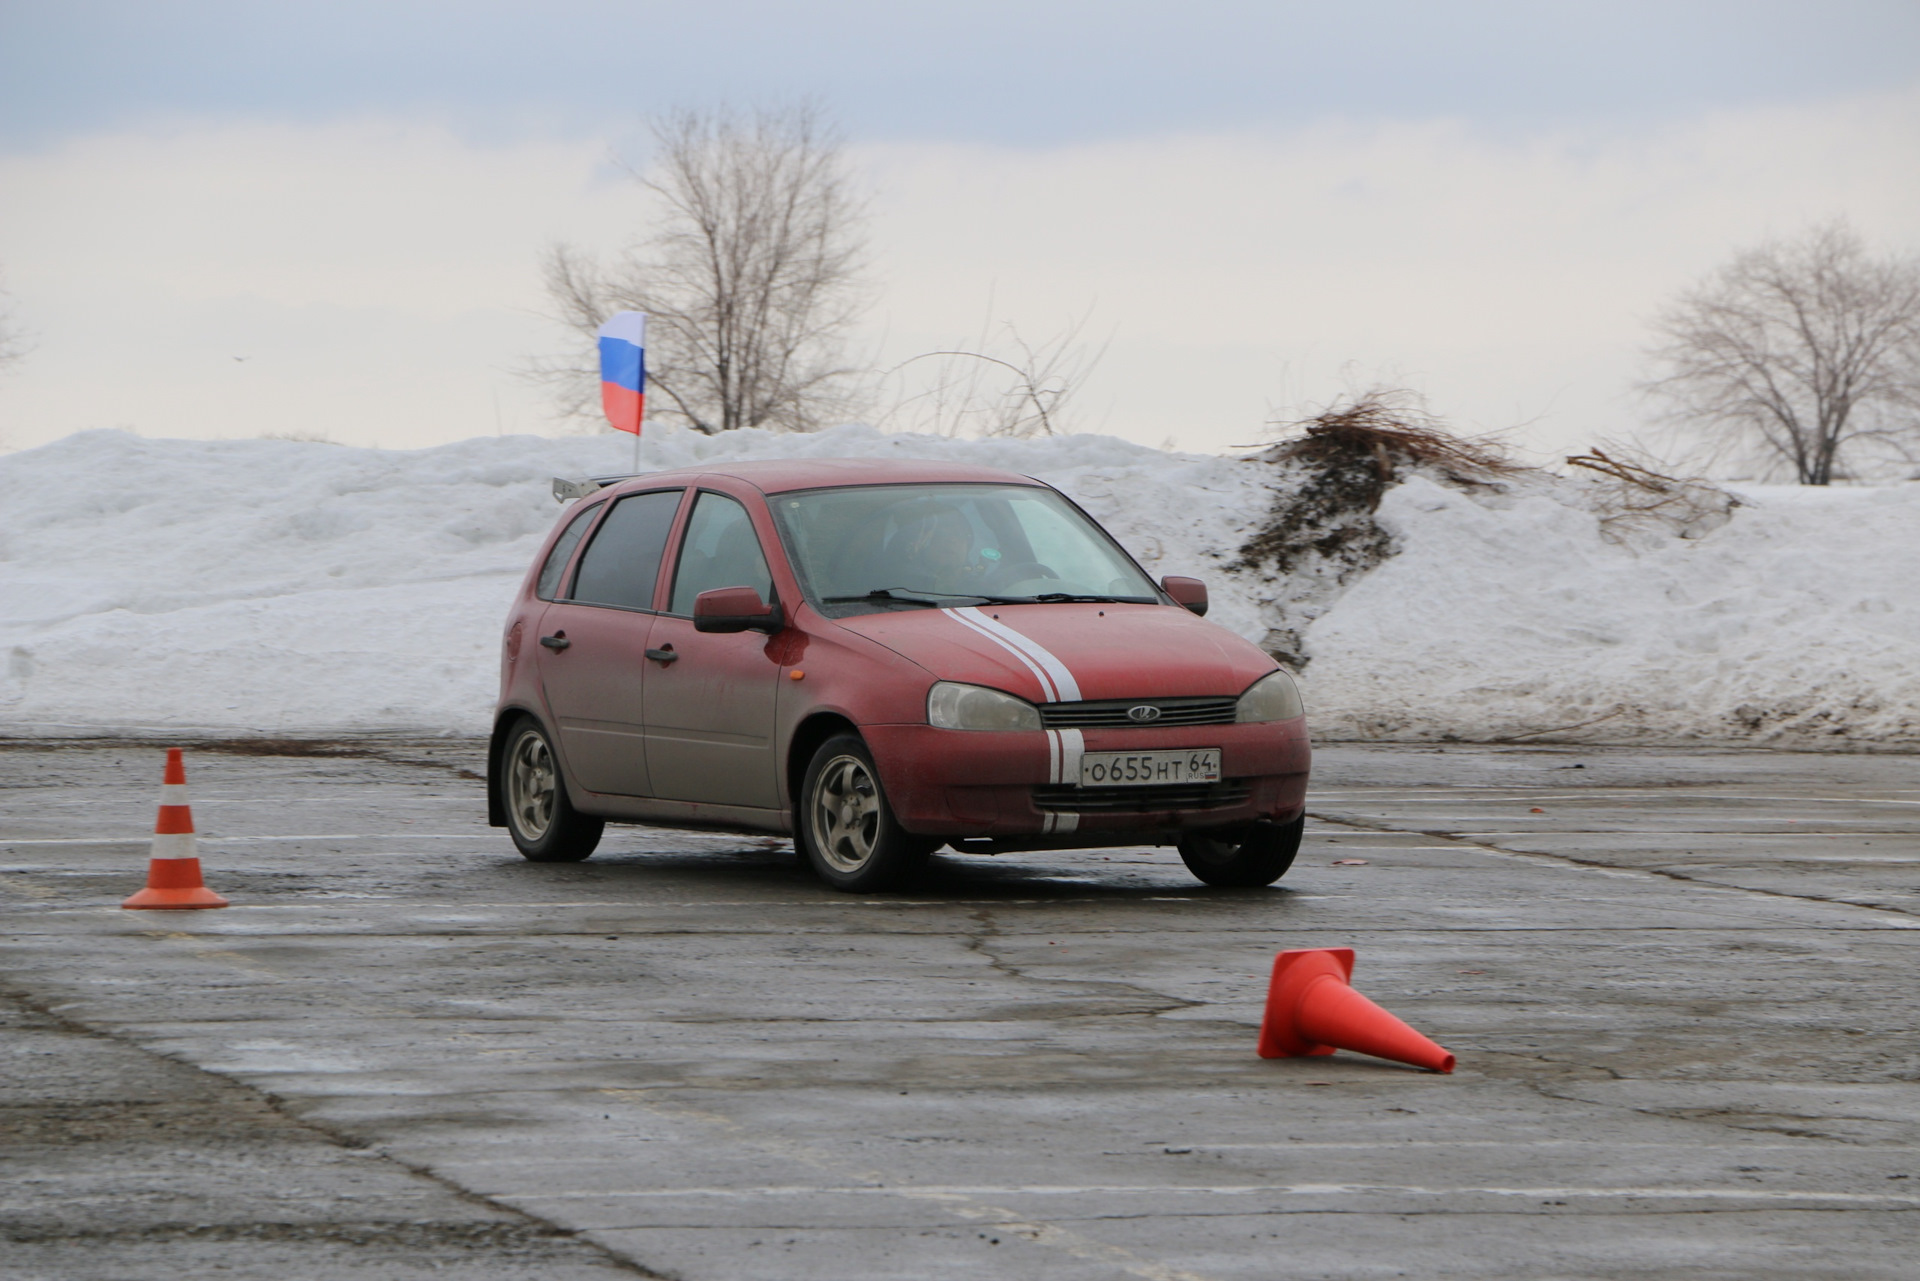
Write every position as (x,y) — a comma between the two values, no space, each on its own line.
(1190,592)
(736,609)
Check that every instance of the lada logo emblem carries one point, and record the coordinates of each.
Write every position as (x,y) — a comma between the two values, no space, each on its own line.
(1141,715)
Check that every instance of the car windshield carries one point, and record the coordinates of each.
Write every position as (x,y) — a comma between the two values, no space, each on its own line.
(881,547)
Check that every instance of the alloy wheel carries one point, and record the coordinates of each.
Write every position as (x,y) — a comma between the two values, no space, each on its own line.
(530,785)
(846,813)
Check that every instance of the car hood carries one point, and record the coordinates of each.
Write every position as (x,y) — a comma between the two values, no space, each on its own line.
(1066,652)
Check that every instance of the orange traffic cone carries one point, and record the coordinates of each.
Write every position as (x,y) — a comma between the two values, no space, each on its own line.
(173,873)
(1311,1010)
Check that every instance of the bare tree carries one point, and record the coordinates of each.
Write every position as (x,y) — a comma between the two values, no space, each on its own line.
(1803,349)
(750,283)
(1000,385)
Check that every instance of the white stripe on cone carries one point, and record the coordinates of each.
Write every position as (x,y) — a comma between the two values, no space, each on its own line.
(174,845)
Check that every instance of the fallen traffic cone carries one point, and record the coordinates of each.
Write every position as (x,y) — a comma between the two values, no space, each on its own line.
(1311,1010)
(173,873)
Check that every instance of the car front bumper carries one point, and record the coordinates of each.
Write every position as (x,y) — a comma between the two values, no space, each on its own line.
(960,783)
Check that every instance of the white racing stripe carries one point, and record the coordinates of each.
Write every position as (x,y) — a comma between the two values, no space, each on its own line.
(1065,747)
(1047,692)
(1073,745)
(1055,679)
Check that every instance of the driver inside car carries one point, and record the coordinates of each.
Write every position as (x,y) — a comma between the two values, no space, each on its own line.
(936,550)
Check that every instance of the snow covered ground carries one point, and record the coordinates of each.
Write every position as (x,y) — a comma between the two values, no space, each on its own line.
(280,588)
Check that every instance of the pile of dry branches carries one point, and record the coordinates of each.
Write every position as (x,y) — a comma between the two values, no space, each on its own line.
(1330,473)
(1640,498)
(1350,453)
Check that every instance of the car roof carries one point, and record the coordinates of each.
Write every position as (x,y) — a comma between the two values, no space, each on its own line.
(776,476)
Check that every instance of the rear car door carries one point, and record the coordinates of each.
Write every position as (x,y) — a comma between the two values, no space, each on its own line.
(593,644)
(710,709)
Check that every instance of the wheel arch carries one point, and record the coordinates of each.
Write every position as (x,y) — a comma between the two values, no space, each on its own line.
(496,748)
(807,737)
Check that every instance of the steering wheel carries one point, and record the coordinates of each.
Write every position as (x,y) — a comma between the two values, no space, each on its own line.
(1021,572)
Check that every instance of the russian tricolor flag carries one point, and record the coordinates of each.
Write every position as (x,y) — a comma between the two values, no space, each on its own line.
(623,369)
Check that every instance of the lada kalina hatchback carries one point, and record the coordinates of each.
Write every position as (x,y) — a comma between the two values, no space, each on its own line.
(882,658)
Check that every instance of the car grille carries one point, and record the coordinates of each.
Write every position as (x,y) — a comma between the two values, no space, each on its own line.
(1143,800)
(1113,712)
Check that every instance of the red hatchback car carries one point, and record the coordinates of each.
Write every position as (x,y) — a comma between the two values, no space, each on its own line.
(882,658)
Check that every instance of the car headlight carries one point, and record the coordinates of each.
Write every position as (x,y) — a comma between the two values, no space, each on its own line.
(1273,697)
(951,706)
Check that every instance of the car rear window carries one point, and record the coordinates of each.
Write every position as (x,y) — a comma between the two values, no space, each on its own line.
(622,563)
(562,551)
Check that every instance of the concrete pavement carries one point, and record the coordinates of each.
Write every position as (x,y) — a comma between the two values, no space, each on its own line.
(1680,985)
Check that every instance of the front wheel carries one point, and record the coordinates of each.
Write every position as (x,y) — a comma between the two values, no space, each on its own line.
(1257,855)
(846,826)
(544,825)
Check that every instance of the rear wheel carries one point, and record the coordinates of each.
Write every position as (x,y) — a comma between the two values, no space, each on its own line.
(846,826)
(545,826)
(1256,855)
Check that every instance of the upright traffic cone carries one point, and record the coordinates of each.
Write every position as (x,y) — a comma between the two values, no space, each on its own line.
(1312,1010)
(173,873)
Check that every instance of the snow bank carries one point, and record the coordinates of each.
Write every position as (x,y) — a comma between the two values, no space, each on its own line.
(1796,623)
(279,588)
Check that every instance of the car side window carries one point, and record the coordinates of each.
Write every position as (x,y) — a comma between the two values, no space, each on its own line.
(622,563)
(720,550)
(549,581)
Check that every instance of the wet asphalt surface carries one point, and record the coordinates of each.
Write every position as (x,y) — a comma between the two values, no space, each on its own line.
(1682,986)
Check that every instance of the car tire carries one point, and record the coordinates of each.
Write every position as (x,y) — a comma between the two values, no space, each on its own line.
(849,833)
(1258,855)
(544,825)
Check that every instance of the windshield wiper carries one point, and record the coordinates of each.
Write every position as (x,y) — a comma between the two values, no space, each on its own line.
(891,594)
(1053,598)
(920,596)
(1095,597)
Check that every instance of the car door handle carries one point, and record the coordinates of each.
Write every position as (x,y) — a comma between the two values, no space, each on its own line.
(663,655)
(557,641)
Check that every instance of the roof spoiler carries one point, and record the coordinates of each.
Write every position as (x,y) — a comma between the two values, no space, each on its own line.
(567,491)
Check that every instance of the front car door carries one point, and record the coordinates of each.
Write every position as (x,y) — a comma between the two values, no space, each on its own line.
(710,710)
(593,643)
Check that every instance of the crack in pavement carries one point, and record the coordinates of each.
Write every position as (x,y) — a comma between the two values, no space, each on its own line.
(484,1236)
(981,941)
(1357,823)
(1721,1118)
(522,1230)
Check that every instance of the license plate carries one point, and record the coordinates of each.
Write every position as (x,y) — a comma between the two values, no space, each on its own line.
(1144,769)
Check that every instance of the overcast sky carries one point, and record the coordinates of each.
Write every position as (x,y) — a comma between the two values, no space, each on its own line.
(231,219)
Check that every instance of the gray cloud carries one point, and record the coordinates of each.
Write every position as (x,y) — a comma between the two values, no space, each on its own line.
(1002,71)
